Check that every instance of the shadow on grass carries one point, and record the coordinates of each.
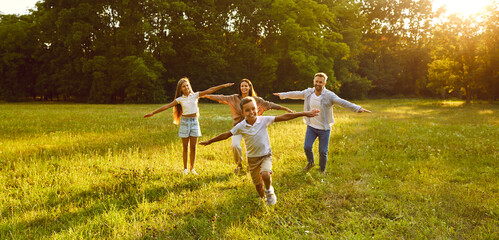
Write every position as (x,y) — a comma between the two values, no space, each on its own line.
(212,223)
(93,147)
(121,192)
(238,206)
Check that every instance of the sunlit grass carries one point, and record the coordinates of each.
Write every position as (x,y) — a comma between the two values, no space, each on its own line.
(411,169)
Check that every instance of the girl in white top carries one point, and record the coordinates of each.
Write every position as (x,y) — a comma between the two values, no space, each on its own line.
(185,113)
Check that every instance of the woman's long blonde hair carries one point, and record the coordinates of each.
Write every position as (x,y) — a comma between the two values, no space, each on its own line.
(177,110)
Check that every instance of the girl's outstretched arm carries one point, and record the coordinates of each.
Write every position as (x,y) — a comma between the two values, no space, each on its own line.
(213,89)
(289,116)
(163,108)
(220,137)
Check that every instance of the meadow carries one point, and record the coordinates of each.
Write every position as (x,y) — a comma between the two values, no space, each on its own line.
(412,169)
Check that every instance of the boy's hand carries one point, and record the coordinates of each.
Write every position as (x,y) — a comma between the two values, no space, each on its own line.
(204,143)
(148,115)
(312,113)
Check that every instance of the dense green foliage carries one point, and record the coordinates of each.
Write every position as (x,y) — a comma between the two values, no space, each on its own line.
(135,51)
(412,169)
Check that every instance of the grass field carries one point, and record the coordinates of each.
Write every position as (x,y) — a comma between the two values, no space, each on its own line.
(412,169)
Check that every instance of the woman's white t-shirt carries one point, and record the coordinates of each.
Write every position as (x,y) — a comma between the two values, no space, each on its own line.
(189,104)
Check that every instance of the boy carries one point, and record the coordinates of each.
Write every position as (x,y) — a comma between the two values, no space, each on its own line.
(254,130)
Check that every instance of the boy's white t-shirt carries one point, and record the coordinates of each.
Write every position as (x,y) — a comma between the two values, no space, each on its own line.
(255,136)
(189,104)
(316,122)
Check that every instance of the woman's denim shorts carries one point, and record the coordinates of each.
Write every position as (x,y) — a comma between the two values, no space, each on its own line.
(189,127)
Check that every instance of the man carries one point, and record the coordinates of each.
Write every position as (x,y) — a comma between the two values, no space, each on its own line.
(320,126)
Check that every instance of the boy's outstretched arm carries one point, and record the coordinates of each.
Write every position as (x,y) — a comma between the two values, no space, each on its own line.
(289,116)
(213,89)
(220,137)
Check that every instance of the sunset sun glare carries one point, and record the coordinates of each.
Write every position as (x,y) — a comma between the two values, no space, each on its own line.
(463,7)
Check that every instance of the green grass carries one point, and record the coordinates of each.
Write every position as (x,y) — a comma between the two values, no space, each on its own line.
(413,169)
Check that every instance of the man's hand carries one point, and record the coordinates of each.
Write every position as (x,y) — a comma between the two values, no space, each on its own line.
(361,110)
(277,94)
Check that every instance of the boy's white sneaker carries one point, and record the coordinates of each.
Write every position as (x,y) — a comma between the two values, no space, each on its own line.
(186,172)
(271,198)
(193,171)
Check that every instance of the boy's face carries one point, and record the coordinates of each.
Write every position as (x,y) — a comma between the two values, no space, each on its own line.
(250,110)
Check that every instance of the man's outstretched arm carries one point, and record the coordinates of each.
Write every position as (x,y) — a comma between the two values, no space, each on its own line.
(291,95)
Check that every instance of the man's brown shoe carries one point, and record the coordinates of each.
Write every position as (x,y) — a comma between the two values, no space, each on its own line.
(308,167)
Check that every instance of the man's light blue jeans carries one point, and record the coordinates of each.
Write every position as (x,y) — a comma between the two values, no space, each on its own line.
(310,136)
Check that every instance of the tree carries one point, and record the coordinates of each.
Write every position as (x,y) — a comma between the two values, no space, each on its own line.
(455,58)
(396,41)
(18,66)
(488,50)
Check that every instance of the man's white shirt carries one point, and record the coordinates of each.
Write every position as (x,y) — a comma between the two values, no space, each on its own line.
(316,122)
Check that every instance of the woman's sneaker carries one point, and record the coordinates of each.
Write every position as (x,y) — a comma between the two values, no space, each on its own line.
(193,171)
(271,198)
(186,172)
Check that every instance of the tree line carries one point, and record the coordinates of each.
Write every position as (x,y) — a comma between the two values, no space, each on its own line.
(122,51)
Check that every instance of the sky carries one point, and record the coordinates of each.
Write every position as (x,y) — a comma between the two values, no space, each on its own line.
(16,6)
(465,7)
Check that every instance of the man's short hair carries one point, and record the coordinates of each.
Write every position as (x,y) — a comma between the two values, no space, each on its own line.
(246,100)
(321,74)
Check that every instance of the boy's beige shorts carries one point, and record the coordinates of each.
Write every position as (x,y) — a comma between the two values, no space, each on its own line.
(257,165)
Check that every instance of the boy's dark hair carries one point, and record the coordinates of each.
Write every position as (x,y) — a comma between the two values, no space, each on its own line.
(246,100)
